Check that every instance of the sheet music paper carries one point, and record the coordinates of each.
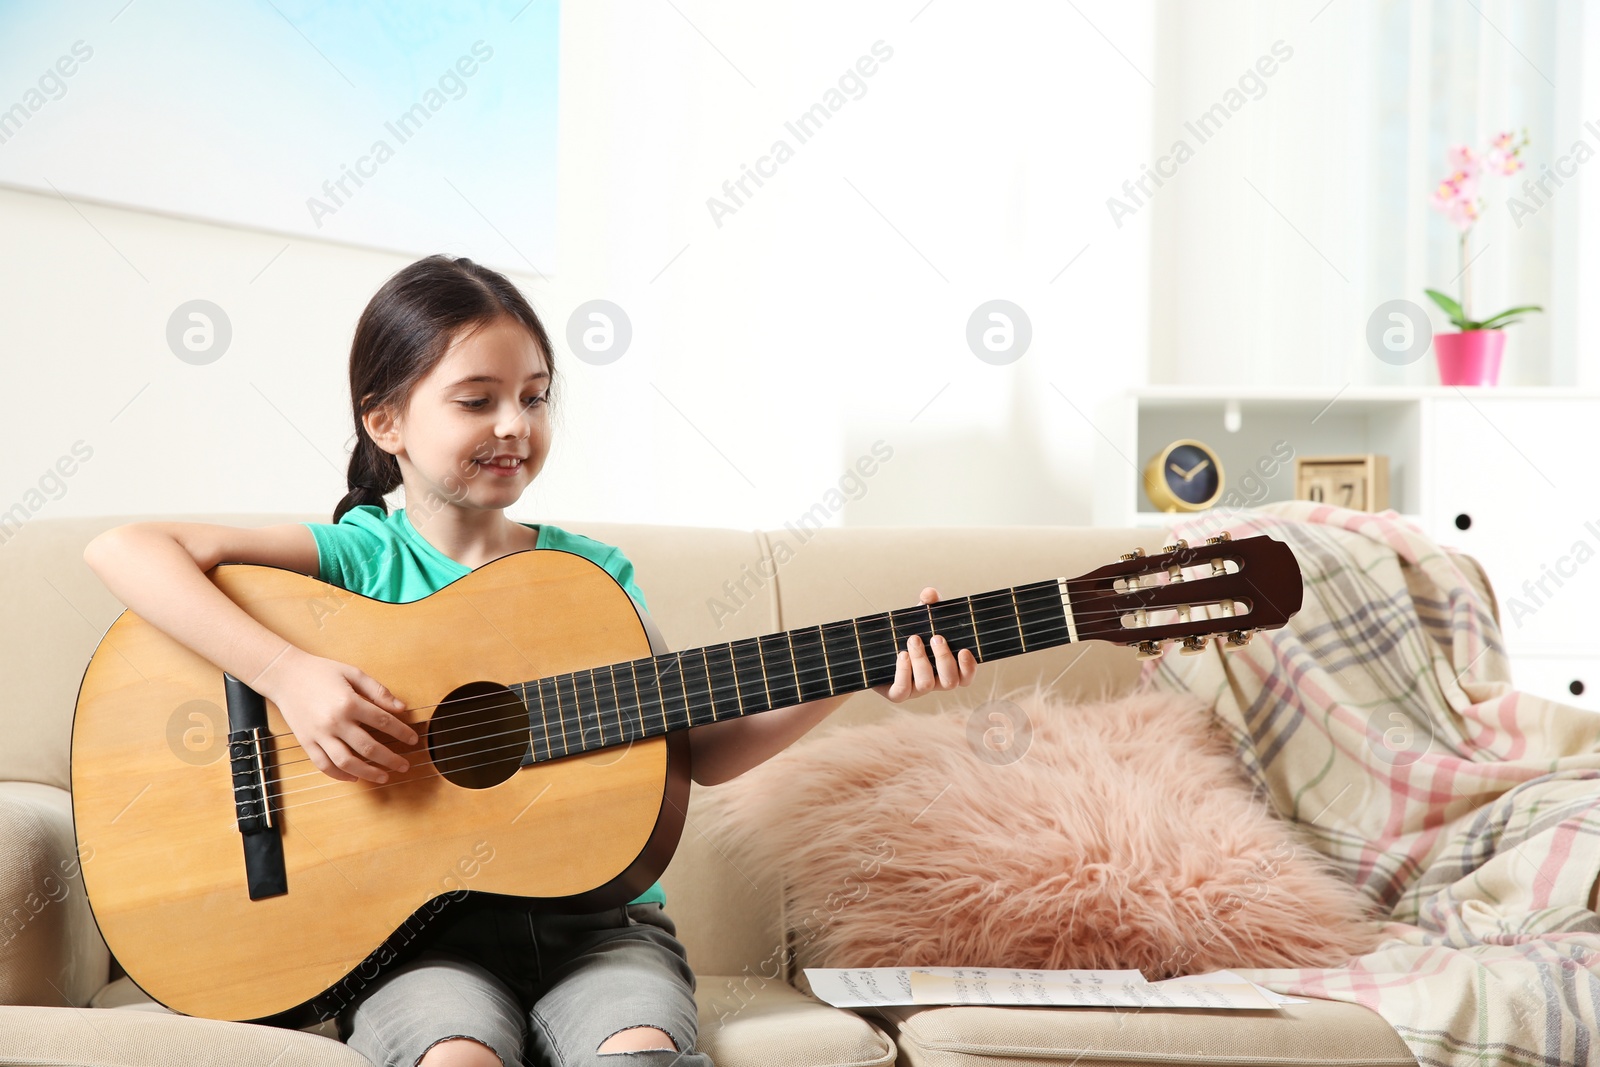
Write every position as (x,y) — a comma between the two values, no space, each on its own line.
(861,987)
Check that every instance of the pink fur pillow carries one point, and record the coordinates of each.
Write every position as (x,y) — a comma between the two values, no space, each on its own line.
(1122,835)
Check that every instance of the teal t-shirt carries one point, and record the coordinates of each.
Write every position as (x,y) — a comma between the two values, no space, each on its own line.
(383,557)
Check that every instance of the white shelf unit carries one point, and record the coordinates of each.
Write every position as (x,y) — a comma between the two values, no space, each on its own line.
(1504,474)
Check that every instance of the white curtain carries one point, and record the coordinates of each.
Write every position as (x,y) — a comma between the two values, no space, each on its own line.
(1306,205)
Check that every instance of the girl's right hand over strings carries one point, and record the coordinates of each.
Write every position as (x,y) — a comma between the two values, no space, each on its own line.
(330,706)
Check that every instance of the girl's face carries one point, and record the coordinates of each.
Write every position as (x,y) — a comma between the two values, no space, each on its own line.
(486,400)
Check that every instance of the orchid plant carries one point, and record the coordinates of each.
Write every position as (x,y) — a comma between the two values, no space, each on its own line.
(1457,197)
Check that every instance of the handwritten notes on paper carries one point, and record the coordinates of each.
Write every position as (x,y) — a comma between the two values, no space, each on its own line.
(861,987)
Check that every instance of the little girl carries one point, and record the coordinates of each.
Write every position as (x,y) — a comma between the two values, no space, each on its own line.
(451,381)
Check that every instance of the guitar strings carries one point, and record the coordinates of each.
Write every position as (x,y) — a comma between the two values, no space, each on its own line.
(724,682)
(526,731)
(721,683)
(728,678)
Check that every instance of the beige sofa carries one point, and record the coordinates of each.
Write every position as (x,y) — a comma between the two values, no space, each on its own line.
(62,1000)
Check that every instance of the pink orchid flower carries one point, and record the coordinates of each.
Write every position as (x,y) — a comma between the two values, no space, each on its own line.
(1462,158)
(1459,188)
(1505,154)
(1463,213)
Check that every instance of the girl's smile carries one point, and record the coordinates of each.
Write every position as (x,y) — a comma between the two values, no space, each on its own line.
(502,466)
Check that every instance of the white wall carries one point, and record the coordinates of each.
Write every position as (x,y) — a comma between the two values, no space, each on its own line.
(828,312)
(1275,243)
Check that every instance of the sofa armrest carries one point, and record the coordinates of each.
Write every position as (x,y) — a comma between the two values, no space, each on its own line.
(51,952)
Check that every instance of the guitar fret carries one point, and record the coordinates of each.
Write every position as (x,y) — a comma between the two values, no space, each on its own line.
(855,625)
(721,670)
(839,645)
(594,730)
(639,695)
(660,689)
(696,684)
(997,624)
(594,701)
(626,683)
(592,724)
(544,709)
(625,727)
(672,686)
(711,691)
(520,690)
(616,700)
(738,682)
(544,720)
(813,677)
(561,719)
(532,754)
(1016,608)
(576,714)
(778,668)
(610,726)
(949,618)
(600,717)
(622,719)
(544,714)
(746,667)
(584,712)
(827,666)
(881,643)
(647,689)
(788,637)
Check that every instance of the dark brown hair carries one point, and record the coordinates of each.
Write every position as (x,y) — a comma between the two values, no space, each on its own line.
(407,327)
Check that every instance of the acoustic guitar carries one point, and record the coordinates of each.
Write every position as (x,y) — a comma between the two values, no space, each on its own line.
(234,880)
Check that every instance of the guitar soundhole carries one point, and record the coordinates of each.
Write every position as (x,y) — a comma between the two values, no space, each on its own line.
(478,735)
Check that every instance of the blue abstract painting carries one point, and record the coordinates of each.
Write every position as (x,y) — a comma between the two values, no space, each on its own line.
(416,128)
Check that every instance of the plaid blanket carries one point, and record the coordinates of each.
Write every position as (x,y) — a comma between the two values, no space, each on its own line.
(1383,720)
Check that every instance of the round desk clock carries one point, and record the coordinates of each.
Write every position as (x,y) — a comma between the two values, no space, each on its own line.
(1184,476)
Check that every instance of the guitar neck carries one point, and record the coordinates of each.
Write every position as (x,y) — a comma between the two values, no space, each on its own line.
(621,702)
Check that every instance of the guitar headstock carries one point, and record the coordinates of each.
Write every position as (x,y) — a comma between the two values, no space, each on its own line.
(1188,594)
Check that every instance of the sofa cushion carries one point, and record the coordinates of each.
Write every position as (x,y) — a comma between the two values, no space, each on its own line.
(126,1037)
(1316,1032)
(745,1021)
(750,1022)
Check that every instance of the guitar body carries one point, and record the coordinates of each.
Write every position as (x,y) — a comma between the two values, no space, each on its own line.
(365,865)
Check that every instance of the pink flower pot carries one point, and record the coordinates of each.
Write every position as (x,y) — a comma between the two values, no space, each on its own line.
(1469,358)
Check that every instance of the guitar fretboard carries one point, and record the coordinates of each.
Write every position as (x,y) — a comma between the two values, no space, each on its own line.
(621,702)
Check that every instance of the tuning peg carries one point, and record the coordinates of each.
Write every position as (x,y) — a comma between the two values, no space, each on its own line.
(1173,548)
(1148,650)
(1193,646)
(1237,639)
(1135,554)
(1221,537)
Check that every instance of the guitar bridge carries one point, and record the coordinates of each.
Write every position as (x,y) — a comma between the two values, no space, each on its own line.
(248,748)
(251,804)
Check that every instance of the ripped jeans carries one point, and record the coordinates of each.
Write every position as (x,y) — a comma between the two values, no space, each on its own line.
(540,990)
